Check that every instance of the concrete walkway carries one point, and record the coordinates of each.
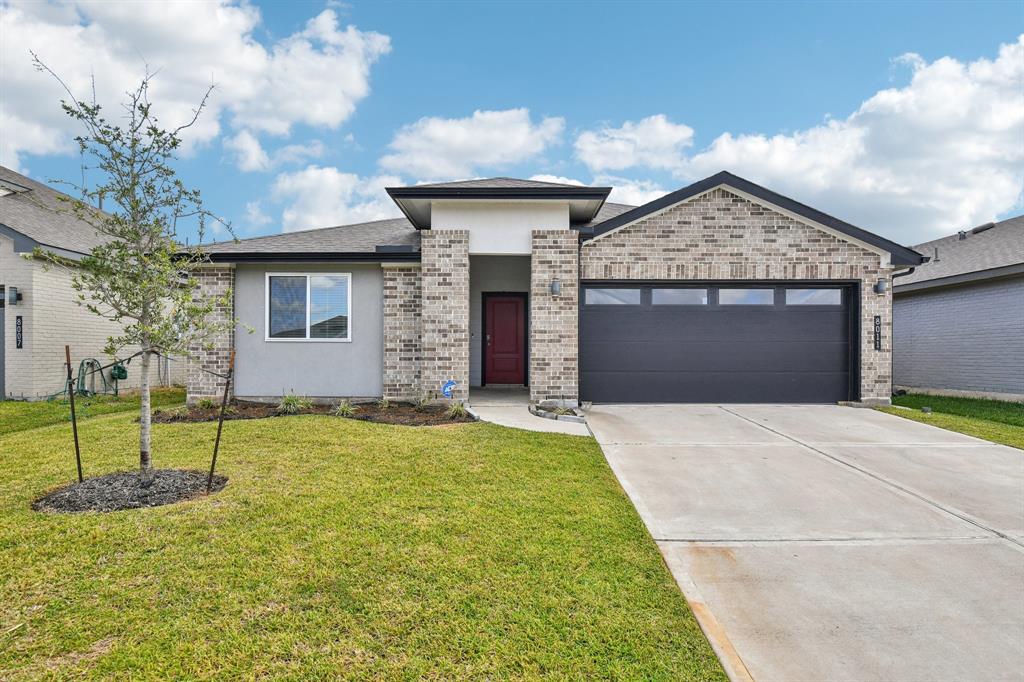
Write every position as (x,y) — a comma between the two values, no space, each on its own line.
(832,543)
(510,407)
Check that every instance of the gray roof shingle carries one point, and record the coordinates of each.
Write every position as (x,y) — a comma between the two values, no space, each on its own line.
(998,246)
(38,213)
(495,183)
(358,238)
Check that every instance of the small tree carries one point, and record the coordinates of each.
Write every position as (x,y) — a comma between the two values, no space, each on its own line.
(141,277)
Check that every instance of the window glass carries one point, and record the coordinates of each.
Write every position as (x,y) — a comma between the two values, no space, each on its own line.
(814,296)
(679,296)
(746,296)
(287,307)
(328,307)
(613,297)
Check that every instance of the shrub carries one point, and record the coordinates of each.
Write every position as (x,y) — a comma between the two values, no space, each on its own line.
(423,402)
(293,404)
(345,408)
(384,403)
(206,404)
(457,411)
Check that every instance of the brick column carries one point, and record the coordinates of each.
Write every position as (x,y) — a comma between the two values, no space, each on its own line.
(402,331)
(554,320)
(213,281)
(445,311)
(876,365)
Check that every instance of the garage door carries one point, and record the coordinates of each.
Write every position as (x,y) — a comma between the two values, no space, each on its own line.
(721,342)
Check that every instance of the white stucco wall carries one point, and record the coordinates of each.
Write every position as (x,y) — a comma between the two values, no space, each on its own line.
(499,227)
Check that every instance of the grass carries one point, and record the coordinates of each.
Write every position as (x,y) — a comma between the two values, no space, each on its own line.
(339,549)
(994,420)
(19,415)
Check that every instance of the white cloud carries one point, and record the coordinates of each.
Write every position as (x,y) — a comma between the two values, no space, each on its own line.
(653,142)
(191,45)
(944,152)
(446,148)
(324,196)
(255,217)
(632,192)
(558,179)
(249,155)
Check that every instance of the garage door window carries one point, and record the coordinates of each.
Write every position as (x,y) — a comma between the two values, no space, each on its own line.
(613,297)
(746,296)
(679,296)
(814,297)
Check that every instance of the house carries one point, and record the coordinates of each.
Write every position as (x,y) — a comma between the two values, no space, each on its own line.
(959,318)
(39,312)
(722,291)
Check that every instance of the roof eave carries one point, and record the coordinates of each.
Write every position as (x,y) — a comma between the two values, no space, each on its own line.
(315,256)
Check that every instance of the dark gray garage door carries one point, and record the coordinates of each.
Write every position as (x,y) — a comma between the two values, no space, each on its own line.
(720,342)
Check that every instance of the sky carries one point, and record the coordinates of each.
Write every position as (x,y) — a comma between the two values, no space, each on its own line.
(906,119)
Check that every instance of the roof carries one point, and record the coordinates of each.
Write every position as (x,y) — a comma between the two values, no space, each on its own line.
(33,214)
(361,241)
(987,251)
(900,255)
(416,200)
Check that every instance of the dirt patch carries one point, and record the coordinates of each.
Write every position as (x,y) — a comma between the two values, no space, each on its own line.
(396,413)
(123,490)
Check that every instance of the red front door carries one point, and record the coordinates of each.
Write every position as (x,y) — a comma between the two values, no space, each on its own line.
(505,340)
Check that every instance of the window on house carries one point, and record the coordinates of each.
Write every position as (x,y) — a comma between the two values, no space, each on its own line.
(612,297)
(746,296)
(679,296)
(309,306)
(814,297)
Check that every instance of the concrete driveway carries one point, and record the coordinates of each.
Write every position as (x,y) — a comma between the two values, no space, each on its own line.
(832,543)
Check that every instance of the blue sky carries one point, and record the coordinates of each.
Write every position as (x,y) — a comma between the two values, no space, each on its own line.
(903,118)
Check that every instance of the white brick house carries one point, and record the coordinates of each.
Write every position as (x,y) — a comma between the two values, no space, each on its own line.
(722,291)
(38,309)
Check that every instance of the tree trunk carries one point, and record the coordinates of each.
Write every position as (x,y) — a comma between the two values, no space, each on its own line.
(145,462)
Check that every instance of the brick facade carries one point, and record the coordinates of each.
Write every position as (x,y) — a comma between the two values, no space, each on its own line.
(720,236)
(445,311)
(402,331)
(213,281)
(554,320)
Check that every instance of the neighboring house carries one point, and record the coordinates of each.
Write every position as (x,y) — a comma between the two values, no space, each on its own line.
(720,292)
(39,312)
(959,318)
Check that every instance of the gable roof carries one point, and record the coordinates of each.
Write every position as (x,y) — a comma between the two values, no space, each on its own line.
(988,251)
(900,255)
(33,214)
(494,183)
(393,239)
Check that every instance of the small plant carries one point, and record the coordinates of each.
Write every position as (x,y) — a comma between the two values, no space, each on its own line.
(206,404)
(423,402)
(383,403)
(562,411)
(293,404)
(457,411)
(345,408)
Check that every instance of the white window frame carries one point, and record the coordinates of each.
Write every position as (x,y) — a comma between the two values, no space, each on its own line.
(308,276)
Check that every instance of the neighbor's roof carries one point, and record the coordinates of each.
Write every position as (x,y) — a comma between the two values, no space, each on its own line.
(369,241)
(987,251)
(900,255)
(33,215)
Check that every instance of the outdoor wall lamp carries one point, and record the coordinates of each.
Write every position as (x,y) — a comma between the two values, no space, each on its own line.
(13,296)
(556,287)
(881,286)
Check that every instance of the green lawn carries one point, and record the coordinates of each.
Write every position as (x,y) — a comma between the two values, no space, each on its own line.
(994,420)
(339,549)
(18,415)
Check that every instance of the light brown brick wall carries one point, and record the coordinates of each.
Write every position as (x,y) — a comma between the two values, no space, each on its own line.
(402,332)
(554,320)
(721,235)
(445,311)
(213,281)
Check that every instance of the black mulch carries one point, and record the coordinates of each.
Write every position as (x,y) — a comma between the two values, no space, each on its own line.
(123,490)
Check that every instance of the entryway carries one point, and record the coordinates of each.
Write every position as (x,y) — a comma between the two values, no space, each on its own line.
(504,325)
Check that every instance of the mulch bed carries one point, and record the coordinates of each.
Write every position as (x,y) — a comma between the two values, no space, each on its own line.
(123,490)
(396,413)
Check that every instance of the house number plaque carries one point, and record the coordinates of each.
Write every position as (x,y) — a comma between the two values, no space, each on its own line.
(878,332)
(18,335)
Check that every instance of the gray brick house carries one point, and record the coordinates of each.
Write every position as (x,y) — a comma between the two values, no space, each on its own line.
(959,318)
(722,291)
